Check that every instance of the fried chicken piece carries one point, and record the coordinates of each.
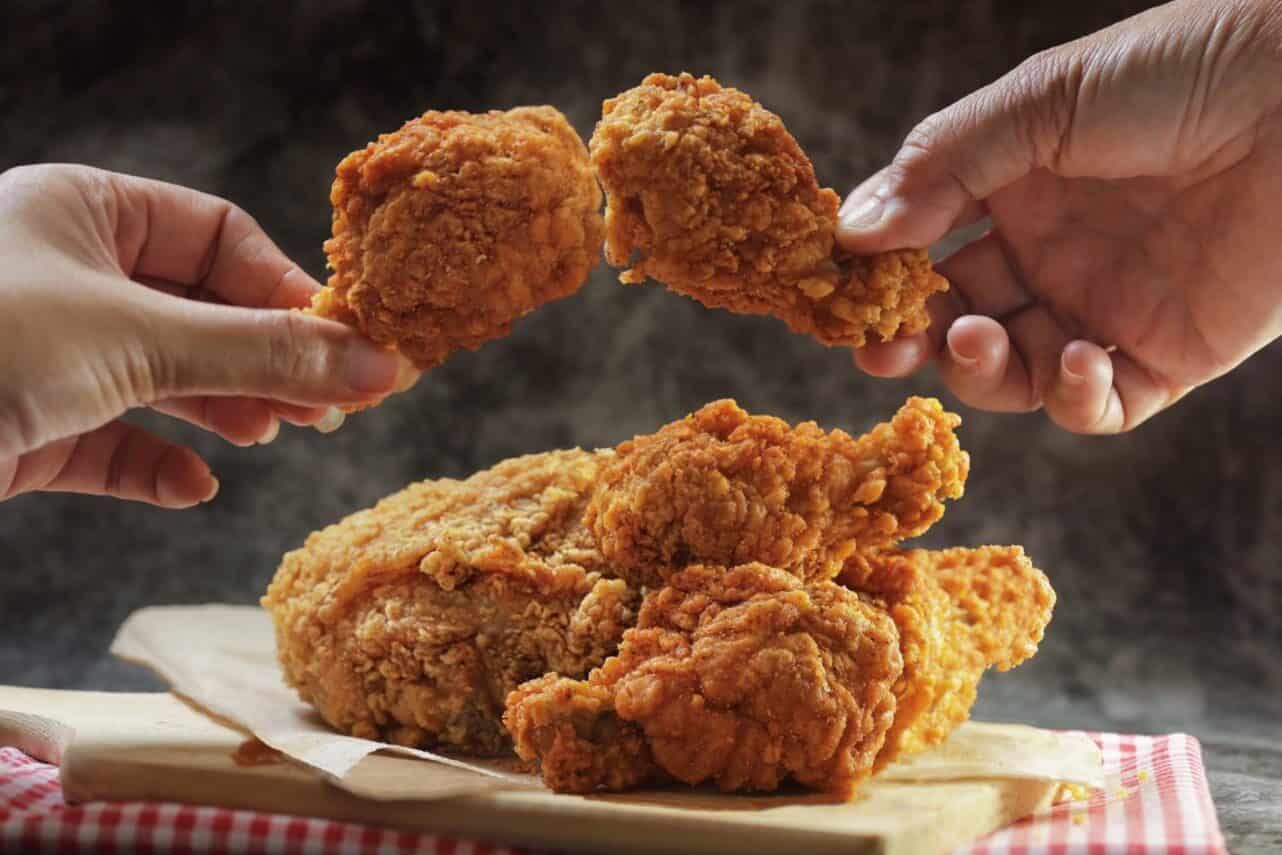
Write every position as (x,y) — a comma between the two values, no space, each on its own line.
(724,487)
(959,612)
(411,621)
(449,229)
(707,192)
(570,729)
(742,677)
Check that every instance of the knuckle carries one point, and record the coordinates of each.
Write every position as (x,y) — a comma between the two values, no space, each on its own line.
(1042,93)
(22,184)
(931,149)
(921,142)
(296,356)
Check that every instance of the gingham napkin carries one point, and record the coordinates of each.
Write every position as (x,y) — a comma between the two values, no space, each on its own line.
(1160,806)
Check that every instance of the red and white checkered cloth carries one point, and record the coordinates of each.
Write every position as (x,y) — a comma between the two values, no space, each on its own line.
(1159,805)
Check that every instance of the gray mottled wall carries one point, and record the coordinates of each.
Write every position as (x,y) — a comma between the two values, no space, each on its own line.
(1164,544)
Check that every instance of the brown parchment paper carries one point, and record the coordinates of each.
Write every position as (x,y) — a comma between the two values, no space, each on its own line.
(223,658)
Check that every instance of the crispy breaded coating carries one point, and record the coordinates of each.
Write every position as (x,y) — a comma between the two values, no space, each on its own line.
(411,621)
(742,677)
(707,192)
(959,612)
(449,229)
(505,611)
(570,729)
(724,487)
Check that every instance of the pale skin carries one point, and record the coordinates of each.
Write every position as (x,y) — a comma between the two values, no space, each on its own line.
(1134,181)
(118,293)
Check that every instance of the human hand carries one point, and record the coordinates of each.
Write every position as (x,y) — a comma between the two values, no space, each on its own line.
(1134,181)
(119,292)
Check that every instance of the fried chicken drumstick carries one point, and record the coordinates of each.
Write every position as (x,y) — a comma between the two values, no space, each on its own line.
(707,192)
(449,229)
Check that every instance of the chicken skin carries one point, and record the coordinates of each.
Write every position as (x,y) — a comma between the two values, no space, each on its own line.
(411,621)
(959,612)
(748,677)
(708,193)
(742,677)
(449,229)
(724,487)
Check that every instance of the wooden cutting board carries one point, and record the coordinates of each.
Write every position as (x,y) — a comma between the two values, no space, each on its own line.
(118,747)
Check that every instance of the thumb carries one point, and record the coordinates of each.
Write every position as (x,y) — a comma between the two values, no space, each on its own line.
(281,355)
(963,154)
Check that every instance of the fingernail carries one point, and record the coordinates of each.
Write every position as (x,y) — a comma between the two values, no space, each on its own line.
(966,363)
(371,369)
(213,490)
(862,215)
(273,431)
(1070,376)
(331,421)
(407,375)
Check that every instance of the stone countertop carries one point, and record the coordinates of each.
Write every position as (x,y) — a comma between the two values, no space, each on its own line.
(1163,544)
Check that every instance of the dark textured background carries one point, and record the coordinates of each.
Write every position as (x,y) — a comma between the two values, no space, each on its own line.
(1164,544)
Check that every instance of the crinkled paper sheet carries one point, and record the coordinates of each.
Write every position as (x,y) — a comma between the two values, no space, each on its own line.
(223,658)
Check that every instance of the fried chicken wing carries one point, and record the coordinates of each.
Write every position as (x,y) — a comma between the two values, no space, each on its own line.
(742,677)
(449,229)
(959,612)
(411,621)
(724,487)
(707,192)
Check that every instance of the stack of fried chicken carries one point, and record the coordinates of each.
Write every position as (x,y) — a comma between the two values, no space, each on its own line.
(722,601)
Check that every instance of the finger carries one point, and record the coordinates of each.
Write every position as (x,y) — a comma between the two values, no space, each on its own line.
(189,238)
(187,292)
(282,356)
(298,416)
(1083,399)
(1142,394)
(963,154)
(1038,338)
(249,427)
(860,209)
(119,460)
(331,421)
(241,421)
(981,368)
(895,358)
(983,276)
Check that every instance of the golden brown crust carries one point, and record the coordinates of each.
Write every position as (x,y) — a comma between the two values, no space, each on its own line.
(418,621)
(707,192)
(412,621)
(742,677)
(569,728)
(724,487)
(959,612)
(449,229)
